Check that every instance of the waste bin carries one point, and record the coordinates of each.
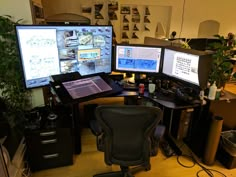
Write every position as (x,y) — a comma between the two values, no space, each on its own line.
(229,140)
(227,149)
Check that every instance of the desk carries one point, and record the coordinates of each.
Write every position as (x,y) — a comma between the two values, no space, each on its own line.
(198,124)
(167,106)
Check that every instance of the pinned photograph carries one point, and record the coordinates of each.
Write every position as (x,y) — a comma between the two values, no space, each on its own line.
(125,19)
(136,18)
(125,10)
(98,8)
(112,7)
(126,27)
(147,11)
(135,10)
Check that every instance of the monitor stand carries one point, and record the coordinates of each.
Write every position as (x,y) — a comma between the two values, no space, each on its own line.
(140,78)
(128,74)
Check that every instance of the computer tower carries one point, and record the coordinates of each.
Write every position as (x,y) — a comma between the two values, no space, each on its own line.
(181,123)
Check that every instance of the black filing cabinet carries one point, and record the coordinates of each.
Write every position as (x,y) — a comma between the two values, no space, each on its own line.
(50,144)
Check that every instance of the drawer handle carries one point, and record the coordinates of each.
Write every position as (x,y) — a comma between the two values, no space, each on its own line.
(48,133)
(50,156)
(49,141)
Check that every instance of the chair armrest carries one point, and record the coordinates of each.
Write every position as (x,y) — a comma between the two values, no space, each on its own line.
(95,127)
(159,132)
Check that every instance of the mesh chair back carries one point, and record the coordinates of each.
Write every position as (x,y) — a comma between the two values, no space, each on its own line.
(127,130)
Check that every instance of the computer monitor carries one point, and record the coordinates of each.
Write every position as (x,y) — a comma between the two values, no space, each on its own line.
(85,87)
(156,41)
(49,50)
(187,65)
(138,58)
(198,43)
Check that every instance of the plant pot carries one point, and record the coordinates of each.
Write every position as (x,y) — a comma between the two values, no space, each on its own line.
(4,128)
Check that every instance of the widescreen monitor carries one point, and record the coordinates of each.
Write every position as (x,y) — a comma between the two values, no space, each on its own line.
(47,50)
(137,58)
(187,65)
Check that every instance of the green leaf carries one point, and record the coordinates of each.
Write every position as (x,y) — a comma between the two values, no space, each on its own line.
(12,88)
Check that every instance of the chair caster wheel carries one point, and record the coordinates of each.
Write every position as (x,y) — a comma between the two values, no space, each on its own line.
(147,168)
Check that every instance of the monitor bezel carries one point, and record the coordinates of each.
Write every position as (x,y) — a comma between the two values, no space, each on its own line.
(138,45)
(18,45)
(205,60)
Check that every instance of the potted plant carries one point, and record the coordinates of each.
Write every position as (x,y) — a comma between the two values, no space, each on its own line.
(12,91)
(221,70)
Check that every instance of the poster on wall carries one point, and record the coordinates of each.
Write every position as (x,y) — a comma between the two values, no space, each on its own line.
(112,8)
(98,8)
(125,10)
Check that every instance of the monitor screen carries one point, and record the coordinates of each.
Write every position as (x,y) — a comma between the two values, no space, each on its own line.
(86,87)
(49,50)
(187,65)
(137,58)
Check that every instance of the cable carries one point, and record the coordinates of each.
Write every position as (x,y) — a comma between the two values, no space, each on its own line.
(182,19)
(211,174)
(188,157)
(191,157)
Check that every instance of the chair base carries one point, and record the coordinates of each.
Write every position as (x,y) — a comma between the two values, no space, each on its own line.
(125,171)
(113,174)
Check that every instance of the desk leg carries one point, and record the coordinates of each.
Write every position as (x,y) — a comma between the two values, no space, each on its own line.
(169,123)
(171,119)
(77,128)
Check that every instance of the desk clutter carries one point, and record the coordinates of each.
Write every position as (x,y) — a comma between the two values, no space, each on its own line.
(164,89)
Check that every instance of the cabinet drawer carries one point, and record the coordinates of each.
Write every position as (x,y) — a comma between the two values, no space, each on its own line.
(49,149)
(47,133)
(52,160)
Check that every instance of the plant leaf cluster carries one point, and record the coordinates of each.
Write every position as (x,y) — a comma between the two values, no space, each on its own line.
(12,90)
(221,70)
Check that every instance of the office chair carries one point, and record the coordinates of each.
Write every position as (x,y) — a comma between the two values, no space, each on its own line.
(124,135)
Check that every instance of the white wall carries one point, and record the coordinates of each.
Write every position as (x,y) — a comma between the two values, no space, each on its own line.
(19,9)
(196,11)
(200,10)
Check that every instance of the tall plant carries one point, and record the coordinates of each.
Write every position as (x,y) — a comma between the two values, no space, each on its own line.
(222,66)
(12,90)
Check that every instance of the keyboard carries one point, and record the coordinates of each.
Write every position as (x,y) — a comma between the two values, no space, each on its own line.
(128,86)
(165,95)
